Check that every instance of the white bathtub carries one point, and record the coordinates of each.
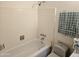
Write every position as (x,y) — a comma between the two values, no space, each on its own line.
(31,49)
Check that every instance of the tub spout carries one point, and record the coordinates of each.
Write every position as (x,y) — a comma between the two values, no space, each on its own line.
(42,42)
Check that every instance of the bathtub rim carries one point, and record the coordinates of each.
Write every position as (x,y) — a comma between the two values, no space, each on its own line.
(17,46)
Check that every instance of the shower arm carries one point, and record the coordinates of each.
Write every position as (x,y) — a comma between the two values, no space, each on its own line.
(39,3)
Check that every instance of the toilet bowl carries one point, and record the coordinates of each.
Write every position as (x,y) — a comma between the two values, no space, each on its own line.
(59,50)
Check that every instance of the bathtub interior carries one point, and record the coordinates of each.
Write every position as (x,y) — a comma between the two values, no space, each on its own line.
(25,49)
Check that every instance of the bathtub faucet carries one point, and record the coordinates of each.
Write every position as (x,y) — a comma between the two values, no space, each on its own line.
(43,36)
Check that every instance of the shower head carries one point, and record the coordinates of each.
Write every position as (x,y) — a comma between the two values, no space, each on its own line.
(40,2)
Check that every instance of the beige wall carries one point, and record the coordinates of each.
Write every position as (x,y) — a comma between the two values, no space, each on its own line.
(15,20)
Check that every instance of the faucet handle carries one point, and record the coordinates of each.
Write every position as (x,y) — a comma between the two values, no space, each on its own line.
(43,35)
(42,38)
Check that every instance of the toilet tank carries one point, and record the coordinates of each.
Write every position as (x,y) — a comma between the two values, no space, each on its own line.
(60,49)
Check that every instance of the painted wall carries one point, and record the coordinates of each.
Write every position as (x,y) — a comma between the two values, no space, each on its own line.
(17,18)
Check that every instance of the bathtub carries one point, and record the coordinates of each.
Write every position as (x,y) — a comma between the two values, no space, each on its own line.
(32,48)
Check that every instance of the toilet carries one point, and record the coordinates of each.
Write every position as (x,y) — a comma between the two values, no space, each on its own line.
(59,50)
